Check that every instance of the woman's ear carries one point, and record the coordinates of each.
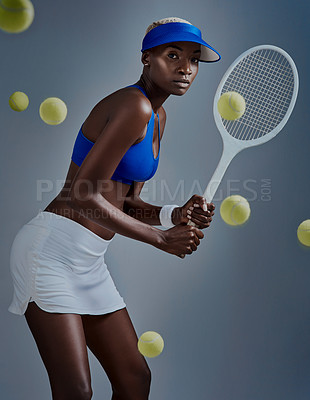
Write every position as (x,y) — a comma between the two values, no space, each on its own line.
(145,58)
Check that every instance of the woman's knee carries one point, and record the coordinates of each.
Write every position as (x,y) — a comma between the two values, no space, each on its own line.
(144,378)
(135,385)
(76,391)
(84,392)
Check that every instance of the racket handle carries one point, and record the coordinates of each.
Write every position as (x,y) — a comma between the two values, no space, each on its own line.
(228,154)
(191,223)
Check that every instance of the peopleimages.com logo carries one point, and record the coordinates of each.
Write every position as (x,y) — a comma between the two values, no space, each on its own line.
(159,191)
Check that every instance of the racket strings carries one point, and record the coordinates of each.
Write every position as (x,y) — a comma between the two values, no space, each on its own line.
(266,81)
(264,97)
(266,89)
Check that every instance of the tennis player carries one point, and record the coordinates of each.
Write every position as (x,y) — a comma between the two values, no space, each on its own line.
(61,282)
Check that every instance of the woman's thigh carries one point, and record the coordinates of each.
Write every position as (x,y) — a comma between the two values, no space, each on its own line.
(61,343)
(113,341)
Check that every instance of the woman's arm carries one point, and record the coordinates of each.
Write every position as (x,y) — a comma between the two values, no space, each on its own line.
(139,209)
(126,124)
(195,208)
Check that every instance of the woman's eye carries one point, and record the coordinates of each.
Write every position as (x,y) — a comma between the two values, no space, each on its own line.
(172,55)
(195,60)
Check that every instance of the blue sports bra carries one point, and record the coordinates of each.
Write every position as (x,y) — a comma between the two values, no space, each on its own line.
(138,163)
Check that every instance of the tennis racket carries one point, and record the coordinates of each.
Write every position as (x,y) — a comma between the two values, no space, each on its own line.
(267,78)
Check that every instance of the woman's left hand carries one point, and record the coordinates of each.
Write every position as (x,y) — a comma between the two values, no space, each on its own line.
(197,210)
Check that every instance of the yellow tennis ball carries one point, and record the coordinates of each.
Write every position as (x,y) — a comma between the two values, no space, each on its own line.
(53,111)
(18,101)
(303,232)
(16,15)
(235,210)
(150,344)
(231,105)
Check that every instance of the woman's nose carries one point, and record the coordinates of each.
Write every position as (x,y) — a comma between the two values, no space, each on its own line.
(185,68)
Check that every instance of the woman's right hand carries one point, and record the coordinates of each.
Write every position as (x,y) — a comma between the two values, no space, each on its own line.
(180,240)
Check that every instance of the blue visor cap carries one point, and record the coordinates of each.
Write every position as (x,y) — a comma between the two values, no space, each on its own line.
(179,32)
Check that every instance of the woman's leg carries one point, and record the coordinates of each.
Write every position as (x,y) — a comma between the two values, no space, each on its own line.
(62,346)
(113,341)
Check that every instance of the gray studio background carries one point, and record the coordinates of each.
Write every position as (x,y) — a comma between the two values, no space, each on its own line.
(235,314)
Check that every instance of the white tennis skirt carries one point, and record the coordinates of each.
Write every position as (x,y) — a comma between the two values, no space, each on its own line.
(59,264)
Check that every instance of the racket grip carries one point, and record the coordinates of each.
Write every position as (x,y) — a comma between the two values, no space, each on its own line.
(191,223)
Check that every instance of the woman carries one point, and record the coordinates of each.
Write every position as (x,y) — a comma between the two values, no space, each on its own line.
(61,282)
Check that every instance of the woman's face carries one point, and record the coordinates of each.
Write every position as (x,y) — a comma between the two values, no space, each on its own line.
(174,66)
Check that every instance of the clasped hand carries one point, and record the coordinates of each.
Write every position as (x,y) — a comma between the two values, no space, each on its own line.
(183,239)
(197,210)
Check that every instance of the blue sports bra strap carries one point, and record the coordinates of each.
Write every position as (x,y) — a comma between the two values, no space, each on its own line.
(158,122)
(140,88)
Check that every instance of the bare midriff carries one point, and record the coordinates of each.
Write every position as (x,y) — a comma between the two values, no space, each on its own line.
(115,194)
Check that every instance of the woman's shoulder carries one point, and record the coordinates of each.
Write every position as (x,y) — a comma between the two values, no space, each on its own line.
(125,99)
(121,103)
(128,104)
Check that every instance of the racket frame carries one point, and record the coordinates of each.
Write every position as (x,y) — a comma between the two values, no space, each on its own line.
(231,145)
